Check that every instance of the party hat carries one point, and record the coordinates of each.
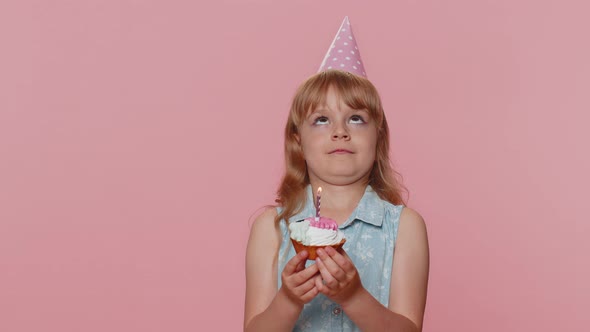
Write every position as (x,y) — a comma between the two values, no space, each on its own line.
(344,54)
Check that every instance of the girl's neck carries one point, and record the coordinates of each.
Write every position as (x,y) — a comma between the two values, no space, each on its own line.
(338,202)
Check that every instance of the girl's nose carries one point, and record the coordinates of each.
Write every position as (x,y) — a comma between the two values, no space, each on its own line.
(340,132)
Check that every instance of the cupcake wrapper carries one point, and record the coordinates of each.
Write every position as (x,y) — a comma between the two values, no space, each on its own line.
(312,249)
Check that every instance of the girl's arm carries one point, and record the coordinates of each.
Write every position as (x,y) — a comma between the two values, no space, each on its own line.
(266,308)
(409,282)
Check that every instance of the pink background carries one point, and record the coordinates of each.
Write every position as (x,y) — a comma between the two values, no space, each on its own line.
(137,138)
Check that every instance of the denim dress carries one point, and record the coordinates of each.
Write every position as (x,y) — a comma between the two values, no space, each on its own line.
(371,232)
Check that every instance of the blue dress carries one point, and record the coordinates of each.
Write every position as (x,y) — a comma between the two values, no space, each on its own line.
(371,232)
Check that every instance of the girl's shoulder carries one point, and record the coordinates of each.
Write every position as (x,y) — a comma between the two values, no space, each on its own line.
(408,213)
(264,226)
(266,217)
(411,218)
(412,225)
(268,212)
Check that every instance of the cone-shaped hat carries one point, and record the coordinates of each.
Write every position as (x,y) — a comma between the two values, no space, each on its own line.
(344,54)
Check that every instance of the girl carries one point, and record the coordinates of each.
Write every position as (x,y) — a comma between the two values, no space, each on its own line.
(337,138)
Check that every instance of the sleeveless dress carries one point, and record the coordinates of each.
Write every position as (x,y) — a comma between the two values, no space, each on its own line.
(371,232)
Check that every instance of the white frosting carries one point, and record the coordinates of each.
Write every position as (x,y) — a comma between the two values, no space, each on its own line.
(324,237)
(313,236)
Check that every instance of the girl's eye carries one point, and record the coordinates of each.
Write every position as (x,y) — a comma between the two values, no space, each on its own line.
(357,119)
(320,120)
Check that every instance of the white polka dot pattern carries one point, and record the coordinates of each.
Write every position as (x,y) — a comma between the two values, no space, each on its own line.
(345,44)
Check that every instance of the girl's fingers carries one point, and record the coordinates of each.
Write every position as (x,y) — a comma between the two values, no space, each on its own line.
(305,287)
(319,283)
(327,277)
(307,273)
(342,259)
(309,295)
(293,263)
(301,266)
(322,287)
(335,270)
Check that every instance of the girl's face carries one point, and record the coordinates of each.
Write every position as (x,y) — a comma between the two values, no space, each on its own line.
(338,142)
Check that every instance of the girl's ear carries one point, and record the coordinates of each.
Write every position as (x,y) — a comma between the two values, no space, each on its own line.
(297,138)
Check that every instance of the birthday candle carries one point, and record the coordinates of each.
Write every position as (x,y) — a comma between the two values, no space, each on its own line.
(318,198)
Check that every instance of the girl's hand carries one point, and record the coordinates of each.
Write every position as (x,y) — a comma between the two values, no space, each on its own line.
(339,280)
(298,281)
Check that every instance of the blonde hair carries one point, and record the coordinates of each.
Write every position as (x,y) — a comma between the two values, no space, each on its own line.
(357,93)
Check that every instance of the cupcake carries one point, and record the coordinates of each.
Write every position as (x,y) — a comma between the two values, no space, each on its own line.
(314,233)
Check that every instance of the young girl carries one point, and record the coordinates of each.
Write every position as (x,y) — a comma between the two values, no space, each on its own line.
(337,138)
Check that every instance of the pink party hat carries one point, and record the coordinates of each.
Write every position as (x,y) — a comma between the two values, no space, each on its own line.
(344,54)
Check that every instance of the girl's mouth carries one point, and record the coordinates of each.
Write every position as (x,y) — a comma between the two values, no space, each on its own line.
(340,151)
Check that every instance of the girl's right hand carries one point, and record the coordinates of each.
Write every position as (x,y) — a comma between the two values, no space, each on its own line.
(298,282)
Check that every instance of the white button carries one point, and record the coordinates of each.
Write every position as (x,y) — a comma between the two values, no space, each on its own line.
(336,311)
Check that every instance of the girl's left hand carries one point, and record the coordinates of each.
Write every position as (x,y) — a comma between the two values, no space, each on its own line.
(339,280)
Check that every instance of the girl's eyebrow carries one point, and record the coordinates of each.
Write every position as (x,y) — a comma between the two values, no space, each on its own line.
(312,115)
(319,110)
(323,109)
